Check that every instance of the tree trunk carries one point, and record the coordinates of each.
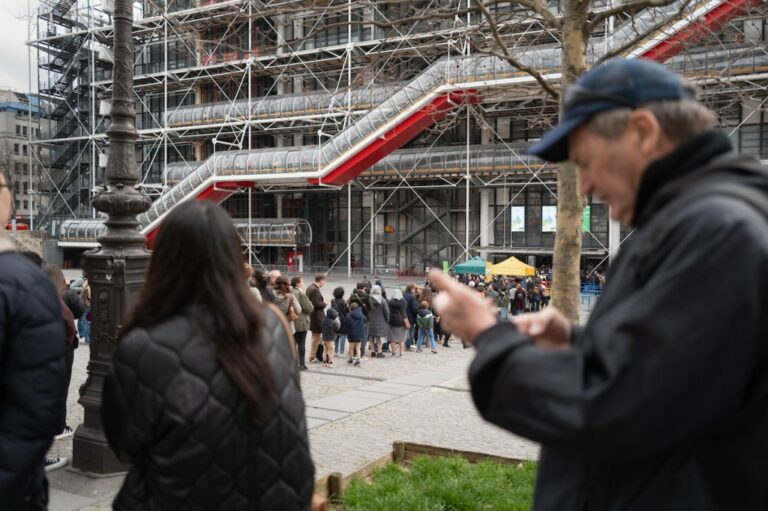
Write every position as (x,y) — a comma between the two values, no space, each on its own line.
(570,203)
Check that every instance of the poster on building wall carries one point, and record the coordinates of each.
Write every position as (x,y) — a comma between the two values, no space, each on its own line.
(518,218)
(548,218)
(586,218)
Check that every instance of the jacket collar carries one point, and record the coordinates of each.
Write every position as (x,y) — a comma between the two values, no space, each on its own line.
(663,178)
(6,245)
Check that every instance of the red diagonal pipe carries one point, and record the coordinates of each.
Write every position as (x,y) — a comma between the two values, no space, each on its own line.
(697,29)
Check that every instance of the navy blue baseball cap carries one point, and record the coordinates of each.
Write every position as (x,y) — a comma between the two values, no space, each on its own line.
(619,83)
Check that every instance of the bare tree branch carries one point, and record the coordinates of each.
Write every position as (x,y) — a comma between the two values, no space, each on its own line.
(540,8)
(508,57)
(658,26)
(625,8)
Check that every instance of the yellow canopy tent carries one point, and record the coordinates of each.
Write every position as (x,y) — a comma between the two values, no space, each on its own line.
(512,267)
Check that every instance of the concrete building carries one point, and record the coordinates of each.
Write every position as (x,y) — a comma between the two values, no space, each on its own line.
(22,158)
(393,129)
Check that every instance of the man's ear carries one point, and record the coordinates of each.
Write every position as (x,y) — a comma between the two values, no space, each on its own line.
(647,132)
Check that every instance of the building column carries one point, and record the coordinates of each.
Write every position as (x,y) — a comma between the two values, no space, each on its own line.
(502,197)
(279,205)
(484,220)
(614,237)
(485,133)
(298,81)
(280,28)
(368,202)
(484,217)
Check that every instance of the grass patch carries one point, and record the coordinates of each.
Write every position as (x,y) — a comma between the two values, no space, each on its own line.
(444,484)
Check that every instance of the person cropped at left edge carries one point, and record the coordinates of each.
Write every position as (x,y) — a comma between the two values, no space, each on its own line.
(204,398)
(32,350)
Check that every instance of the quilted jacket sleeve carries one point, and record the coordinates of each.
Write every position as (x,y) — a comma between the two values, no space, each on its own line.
(132,404)
(31,373)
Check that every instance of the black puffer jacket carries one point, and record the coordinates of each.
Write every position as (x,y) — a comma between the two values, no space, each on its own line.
(174,412)
(31,377)
(654,407)
(397,312)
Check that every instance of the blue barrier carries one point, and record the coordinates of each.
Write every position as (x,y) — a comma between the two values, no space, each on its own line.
(589,295)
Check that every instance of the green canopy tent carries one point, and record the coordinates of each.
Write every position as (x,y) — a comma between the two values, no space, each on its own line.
(476,265)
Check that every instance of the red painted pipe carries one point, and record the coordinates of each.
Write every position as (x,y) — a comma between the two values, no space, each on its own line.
(696,30)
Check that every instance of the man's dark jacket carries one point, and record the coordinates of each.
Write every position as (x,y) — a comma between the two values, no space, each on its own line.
(412,307)
(172,410)
(317,315)
(31,379)
(661,403)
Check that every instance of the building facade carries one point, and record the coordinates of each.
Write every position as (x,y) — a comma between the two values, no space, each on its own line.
(233,92)
(22,158)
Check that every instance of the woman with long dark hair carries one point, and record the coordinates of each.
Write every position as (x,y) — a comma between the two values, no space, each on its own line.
(204,397)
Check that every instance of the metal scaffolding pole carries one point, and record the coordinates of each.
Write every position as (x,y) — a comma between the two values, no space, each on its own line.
(466,203)
(30,148)
(349,230)
(92,116)
(250,240)
(165,96)
(373,226)
(467,177)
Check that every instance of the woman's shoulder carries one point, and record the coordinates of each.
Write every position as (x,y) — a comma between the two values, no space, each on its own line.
(156,341)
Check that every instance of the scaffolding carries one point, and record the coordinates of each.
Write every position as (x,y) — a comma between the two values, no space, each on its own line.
(272,107)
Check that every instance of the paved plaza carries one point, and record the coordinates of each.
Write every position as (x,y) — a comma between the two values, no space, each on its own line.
(353,414)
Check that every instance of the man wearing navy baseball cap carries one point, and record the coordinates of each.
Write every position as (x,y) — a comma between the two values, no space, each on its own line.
(659,401)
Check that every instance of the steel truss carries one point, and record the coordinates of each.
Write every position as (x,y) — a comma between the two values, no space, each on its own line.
(212,52)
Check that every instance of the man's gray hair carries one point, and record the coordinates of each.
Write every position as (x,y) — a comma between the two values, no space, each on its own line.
(679,120)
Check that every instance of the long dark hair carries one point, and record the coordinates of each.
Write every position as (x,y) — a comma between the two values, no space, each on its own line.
(197,260)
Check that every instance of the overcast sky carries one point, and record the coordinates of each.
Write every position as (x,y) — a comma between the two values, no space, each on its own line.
(13,51)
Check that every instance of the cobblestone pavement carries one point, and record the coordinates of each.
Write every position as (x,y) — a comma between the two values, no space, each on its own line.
(435,416)
(439,413)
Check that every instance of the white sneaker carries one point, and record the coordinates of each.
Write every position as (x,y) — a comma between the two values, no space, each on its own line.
(54,462)
(65,433)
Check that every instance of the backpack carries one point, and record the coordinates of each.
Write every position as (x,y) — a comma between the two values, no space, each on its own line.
(424,322)
(336,305)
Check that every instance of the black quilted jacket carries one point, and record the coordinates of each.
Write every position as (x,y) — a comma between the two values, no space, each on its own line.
(171,409)
(31,379)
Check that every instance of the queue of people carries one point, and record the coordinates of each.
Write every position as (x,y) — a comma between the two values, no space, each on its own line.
(512,296)
(346,327)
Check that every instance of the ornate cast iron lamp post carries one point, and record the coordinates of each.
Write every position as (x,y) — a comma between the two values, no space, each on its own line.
(116,270)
